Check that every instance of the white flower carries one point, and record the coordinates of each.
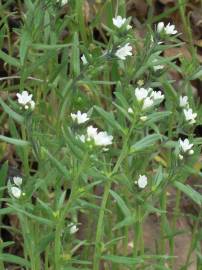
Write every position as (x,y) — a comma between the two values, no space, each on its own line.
(103,139)
(118,21)
(100,138)
(169,28)
(184,101)
(160,27)
(148,102)
(16,192)
(185,145)
(142,181)
(157,95)
(190,116)
(17,180)
(73,228)
(143,118)
(141,93)
(79,117)
(91,132)
(84,60)
(63,2)
(25,100)
(130,110)
(124,51)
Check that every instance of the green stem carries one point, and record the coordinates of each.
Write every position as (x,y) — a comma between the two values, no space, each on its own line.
(99,230)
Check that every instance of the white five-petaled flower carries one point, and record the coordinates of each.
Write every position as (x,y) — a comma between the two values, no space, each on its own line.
(157,95)
(73,228)
(124,51)
(169,28)
(141,93)
(79,117)
(142,181)
(184,102)
(148,102)
(118,21)
(25,100)
(17,180)
(190,116)
(100,138)
(186,146)
(84,60)
(16,192)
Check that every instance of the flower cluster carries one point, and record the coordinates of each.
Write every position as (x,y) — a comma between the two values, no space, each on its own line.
(190,116)
(169,29)
(99,138)
(148,96)
(25,100)
(185,146)
(16,188)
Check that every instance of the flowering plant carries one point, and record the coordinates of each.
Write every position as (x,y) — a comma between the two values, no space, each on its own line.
(102,134)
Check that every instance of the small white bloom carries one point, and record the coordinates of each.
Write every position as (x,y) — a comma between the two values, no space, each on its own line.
(128,27)
(191,152)
(160,27)
(185,145)
(118,21)
(91,132)
(148,102)
(25,100)
(124,51)
(190,116)
(63,2)
(130,110)
(100,138)
(103,139)
(16,192)
(170,29)
(84,60)
(157,95)
(184,101)
(79,117)
(143,118)
(73,228)
(181,157)
(142,181)
(17,180)
(141,93)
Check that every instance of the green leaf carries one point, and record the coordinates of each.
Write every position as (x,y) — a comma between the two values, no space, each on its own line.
(3,176)
(9,59)
(24,45)
(75,60)
(154,117)
(109,118)
(14,259)
(11,113)
(122,259)
(57,164)
(144,143)
(14,141)
(125,210)
(190,192)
